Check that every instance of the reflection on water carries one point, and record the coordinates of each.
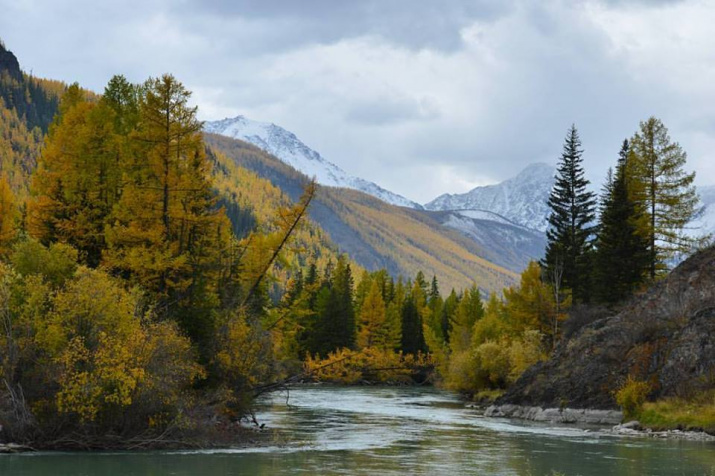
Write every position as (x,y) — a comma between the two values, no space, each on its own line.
(368,430)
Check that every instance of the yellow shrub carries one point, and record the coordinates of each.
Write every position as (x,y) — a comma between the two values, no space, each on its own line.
(347,366)
(631,396)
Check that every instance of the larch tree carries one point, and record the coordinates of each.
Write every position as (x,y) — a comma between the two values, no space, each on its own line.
(372,331)
(664,191)
(78,178)
(469,310)
(571,228)
(8,211)
(166,233)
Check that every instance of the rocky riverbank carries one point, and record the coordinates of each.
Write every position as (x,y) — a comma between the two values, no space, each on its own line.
(663,336)
(555,415)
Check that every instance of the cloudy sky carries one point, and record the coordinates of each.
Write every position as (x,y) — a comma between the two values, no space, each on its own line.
(421,96)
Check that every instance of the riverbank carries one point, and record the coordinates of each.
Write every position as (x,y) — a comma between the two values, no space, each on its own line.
(610,418)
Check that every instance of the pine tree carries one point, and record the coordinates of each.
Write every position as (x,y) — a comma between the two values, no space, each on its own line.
(621,260)
(664,192)
(570,223)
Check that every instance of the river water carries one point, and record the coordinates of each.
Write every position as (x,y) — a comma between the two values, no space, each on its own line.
(392,430)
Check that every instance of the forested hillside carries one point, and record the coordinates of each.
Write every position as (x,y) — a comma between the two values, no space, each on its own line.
(378,235)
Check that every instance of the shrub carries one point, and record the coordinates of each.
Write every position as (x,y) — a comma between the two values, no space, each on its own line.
(631,397)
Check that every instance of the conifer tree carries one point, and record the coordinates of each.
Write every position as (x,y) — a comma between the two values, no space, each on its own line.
(335,312)
(372,331)
(664,192)
(571,221)
(78,179)
(621,261)
(447,316)
(165,232)
(413,340)
(8,209)
(469,310)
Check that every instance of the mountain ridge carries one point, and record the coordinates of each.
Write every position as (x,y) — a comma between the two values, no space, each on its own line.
(286,146)
(521,199)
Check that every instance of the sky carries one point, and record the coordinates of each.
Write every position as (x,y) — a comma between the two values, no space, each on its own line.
(423,97)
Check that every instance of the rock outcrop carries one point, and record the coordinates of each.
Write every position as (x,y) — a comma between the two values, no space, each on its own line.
(665,336)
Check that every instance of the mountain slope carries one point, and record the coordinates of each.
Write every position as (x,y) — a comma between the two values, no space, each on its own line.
(378,235)
(510,245)
(287,147)
(521,199)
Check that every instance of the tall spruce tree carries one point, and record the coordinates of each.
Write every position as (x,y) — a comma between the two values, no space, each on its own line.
(664,191)
(571,227)
(622,259)
(413,339)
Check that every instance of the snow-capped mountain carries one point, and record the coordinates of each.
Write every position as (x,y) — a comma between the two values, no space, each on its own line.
(521,199)
(287,147)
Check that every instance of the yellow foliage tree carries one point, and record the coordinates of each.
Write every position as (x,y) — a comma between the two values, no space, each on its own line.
(371,330)
(8,210)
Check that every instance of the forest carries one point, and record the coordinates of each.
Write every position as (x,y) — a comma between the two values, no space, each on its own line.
(151,289)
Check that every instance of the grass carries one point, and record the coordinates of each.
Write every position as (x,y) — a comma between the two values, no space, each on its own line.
(488,395)
(675,413)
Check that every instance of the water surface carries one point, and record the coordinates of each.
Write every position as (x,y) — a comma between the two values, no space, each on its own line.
(400,431)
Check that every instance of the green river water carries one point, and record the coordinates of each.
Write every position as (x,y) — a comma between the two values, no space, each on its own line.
(400,431)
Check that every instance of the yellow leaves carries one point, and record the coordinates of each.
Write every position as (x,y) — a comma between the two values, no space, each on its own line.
(95,381)
(371,364)
(8,209)
(372,331)
(243,352)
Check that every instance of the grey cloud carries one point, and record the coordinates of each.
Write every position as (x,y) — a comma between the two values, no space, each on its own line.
(392,110)
(415,24)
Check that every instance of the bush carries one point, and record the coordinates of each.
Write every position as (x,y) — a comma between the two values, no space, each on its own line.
(371,364)
(631,397)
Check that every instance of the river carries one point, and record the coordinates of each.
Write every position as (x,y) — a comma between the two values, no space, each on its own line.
(392,430)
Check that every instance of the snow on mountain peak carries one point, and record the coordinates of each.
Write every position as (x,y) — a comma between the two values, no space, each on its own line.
(289,149)
(523,199)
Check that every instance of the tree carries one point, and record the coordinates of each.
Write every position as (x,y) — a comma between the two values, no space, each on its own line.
(571,220)
(621,261)
(165,232)
(78,179)
(7,215)
(372,332)
(413,340)
(469,311)
(531,305)
(664,192)
(335,313)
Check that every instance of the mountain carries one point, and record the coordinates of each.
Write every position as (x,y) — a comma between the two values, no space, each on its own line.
(379,235)
(510,245)
(521,199)
(287,147)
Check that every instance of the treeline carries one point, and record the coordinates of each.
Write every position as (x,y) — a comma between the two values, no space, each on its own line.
(600,251)
(643,212)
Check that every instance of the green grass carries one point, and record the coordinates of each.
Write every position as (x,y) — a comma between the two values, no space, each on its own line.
(676,413)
